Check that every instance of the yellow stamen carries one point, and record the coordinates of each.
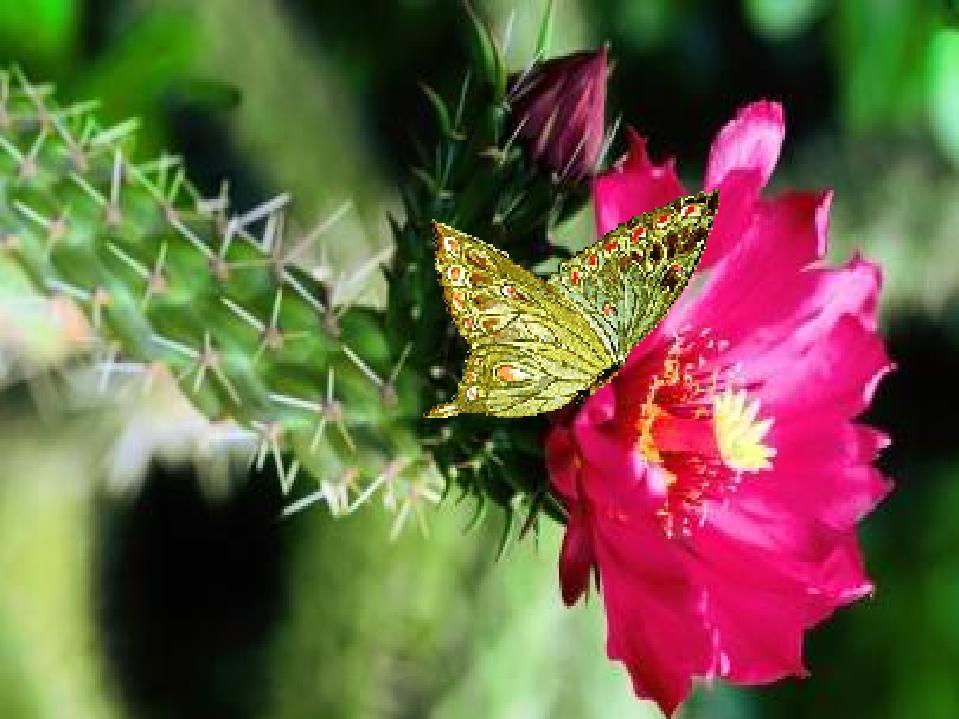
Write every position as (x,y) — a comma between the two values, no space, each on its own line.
(739,434)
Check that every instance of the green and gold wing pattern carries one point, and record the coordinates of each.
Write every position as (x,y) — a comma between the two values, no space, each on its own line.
(628,280)
(531,348)
(535,345)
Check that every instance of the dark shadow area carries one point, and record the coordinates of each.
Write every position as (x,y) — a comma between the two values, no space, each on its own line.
(188,589)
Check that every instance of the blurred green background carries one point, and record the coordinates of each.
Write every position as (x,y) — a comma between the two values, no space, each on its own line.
(131,588)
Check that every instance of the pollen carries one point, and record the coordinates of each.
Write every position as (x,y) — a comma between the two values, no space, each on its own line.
(699,429)
(739,432)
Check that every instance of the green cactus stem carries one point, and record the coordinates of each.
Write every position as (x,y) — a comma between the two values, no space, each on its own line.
(175,282)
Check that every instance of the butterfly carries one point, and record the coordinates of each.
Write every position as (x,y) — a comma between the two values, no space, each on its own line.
(535,345)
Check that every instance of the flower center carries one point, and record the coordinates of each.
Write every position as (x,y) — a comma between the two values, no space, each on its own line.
(740,434)
(699,429)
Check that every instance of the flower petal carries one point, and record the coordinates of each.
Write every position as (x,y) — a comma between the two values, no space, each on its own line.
(561,462)
(771,575)
(651,614)
(647,591)
(576,557)
(823,468)
(751,141)
(839,372)
(738,193)
(635,186)
(779,238)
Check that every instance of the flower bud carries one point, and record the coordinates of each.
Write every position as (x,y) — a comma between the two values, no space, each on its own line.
(558,108)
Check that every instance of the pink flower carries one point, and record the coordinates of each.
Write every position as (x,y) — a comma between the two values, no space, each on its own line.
(715,484)
(559,108)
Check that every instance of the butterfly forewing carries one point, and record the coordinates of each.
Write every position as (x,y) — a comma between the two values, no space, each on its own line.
(532,349)
(626,282)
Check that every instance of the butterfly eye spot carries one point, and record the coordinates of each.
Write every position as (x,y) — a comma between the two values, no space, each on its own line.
(481,260)
(456,299)
(692,210)
(638,234)
(472,393)
(511,373)
(456,274)
(450,244)
(511,293)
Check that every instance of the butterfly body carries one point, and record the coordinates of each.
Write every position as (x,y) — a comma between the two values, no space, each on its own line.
(535,345)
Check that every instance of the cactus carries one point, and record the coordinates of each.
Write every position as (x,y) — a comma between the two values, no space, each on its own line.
(176,282)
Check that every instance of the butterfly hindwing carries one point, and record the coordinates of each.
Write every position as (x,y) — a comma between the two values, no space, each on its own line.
(628,280)
(531,348)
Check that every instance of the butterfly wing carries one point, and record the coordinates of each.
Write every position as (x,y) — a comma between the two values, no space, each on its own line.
(532,349)
(628,280)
